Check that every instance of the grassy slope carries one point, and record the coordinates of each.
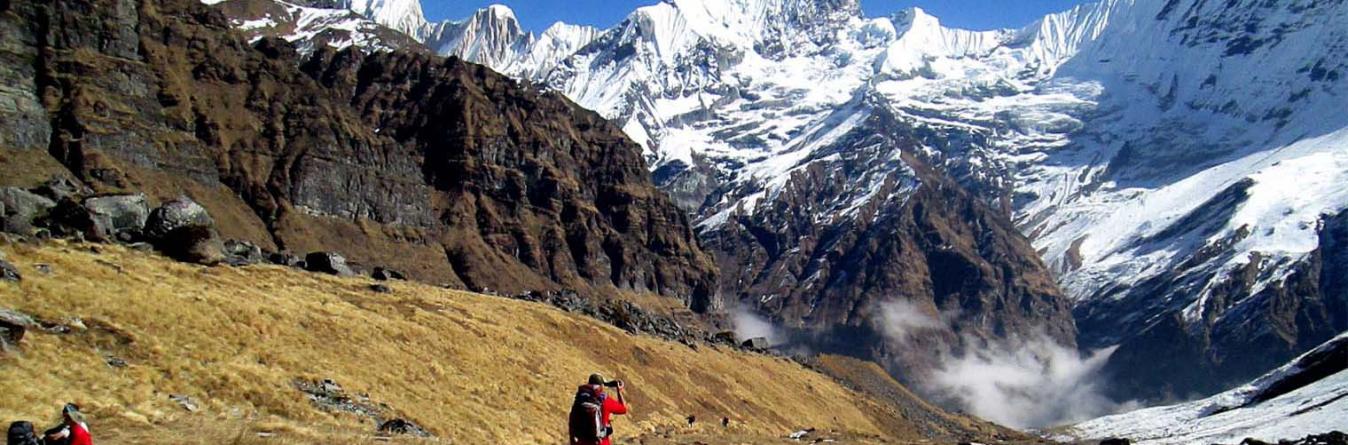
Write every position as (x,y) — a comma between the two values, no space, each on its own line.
(470,368)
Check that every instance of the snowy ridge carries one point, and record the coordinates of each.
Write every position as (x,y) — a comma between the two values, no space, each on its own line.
(1314,407)
(404,16)
(558,42)
(492,37)
(311,27)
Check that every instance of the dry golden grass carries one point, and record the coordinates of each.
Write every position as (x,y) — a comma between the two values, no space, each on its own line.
(24,168)
(471,368)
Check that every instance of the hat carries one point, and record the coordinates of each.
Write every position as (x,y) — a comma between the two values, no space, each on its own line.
(597,379)
(72,411)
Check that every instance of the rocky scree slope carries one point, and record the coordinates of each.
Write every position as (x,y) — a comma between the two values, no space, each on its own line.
(437,167)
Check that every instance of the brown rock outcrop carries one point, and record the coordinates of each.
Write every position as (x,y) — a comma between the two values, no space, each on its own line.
(437,167)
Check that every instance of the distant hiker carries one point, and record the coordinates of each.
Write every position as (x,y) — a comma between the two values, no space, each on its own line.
(692,419)
(725,422)
(21,433)
(591,413)
(72,431)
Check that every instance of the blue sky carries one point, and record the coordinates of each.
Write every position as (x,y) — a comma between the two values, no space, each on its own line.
(536,15)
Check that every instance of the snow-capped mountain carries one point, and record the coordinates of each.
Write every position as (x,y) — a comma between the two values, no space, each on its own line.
(492,36)
(311,27)
(1307,396)
(404,16)
(1178,164)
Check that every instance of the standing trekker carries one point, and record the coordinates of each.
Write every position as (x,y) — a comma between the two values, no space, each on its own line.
(73,430)
(591,413)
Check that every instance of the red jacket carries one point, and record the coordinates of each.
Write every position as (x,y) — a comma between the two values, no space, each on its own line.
(79,435)
(611,406)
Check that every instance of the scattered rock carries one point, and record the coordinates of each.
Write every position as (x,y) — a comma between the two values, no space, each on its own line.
(1330,438)
(622,314)
(59,187)
(385,274)
(243,253)
(800,434)
(725,338)
(8,272)
(327,262)
(44,269)
(285,259)
(22,209)
(403,426)
(327,385)
(183,230)
(1116,441)
(12,327)
(380,288)
(115,362)
(185,402)
(330,396)
(756,344)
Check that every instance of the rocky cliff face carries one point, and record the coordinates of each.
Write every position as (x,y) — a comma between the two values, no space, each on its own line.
(435,166)
(915,266)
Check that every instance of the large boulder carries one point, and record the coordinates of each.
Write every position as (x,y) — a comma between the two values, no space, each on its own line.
(756,344)
(102,219)
(12,327)
(183,230)
(177,214)
(327,262)
(120,215)
(22,209)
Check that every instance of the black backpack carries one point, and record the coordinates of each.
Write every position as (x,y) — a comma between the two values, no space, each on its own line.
(21,433)
(586,421)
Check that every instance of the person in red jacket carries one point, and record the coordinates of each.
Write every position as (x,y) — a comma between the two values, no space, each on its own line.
(609,407)
(73,430)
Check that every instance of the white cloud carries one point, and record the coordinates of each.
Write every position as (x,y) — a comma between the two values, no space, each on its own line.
(902,319)
(1026,383)
(749,325)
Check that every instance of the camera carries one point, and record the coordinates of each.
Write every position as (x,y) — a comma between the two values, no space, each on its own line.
(613,383)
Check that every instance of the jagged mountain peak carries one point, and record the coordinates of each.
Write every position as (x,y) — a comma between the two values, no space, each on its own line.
(498,10)
(405,16)
(492,36)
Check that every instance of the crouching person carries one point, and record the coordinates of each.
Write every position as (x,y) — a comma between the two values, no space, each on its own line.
(72,431)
